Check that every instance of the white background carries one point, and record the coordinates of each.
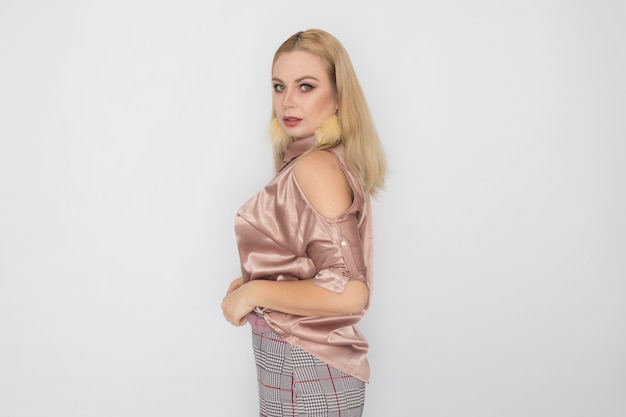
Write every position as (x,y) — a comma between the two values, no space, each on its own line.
(131,131)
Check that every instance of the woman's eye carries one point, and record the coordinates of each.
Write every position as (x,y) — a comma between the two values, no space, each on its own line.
(306,87)
(279,87)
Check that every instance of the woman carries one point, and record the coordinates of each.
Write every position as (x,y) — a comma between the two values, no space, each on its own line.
(305,240)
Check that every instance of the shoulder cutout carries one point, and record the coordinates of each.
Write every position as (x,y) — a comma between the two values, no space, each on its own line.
(324,183)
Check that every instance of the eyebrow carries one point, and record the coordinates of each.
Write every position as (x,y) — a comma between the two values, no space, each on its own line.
(306,77)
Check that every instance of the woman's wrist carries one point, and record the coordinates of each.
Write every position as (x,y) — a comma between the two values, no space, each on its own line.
(251,293)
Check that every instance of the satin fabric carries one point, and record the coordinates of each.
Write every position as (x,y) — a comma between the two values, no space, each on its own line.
(281,236)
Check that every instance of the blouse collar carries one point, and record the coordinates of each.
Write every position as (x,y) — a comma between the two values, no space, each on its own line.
(298,147)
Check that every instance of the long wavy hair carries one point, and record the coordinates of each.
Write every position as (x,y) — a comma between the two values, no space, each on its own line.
(363,150)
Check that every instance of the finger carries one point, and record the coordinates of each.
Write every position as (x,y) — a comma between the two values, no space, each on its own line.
(238,323)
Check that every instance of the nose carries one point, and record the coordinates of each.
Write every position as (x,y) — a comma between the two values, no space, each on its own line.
(288,99)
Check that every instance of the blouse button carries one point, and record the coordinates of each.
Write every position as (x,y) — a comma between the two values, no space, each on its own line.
(344,243)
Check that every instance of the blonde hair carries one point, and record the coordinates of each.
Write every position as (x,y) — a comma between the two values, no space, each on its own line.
(363,150)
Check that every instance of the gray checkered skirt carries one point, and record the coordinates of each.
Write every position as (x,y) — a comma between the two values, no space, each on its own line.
(294,383)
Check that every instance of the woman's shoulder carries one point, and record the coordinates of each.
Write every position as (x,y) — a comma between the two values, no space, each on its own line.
(318,160)
(323,182)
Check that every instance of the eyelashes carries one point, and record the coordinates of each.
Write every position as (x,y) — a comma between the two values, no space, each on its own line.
(279,88)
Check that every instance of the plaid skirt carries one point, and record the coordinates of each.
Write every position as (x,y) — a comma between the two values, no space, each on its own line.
(294,383)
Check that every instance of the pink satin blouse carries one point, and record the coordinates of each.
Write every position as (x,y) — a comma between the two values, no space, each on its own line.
(281,236)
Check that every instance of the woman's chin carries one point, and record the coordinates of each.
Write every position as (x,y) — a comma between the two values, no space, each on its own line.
(300,135)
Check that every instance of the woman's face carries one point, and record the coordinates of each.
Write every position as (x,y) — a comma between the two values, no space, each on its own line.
(303,95)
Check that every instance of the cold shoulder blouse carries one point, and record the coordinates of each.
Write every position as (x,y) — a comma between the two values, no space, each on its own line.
(281,236)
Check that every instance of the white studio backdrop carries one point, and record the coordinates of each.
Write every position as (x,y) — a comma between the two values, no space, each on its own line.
(130,133)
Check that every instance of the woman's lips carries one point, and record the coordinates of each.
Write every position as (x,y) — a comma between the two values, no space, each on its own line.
(291,121)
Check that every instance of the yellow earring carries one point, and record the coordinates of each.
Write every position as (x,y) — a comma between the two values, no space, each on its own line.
(329,133)
(276,132)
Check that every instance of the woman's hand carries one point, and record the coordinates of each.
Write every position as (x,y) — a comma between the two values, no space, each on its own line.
(235,304)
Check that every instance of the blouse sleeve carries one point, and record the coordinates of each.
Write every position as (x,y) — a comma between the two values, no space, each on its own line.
(338,257)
